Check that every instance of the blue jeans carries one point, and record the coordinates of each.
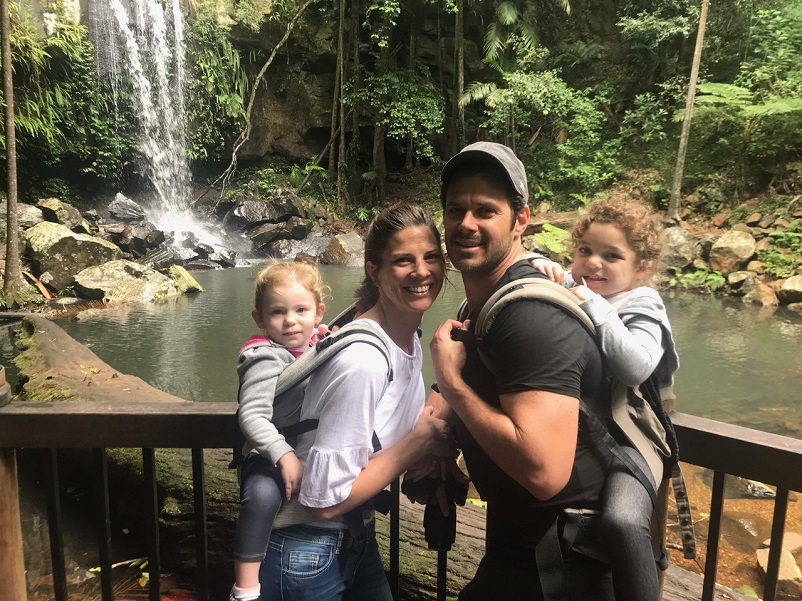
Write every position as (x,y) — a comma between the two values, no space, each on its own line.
(307,563)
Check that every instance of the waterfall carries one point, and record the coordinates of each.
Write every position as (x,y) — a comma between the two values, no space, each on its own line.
(140,47)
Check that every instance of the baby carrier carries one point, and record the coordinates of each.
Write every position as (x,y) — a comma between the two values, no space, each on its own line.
(637,418)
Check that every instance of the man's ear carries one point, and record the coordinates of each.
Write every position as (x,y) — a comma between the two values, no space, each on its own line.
(521,221)
(257,317)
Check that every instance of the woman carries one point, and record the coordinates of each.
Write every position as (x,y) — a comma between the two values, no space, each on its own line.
(324,545)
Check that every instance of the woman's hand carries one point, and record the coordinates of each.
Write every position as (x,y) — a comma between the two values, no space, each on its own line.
(448,354)
(292,470)
(434,434)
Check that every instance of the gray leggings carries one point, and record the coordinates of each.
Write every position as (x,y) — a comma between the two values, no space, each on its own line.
(261,494)
(625,528)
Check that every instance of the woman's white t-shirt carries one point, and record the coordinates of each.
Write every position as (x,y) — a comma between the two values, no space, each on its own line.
(352,398)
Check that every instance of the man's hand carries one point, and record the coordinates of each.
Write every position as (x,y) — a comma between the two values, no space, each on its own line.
(448,355)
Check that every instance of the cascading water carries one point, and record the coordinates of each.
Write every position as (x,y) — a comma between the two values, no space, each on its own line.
(140,47)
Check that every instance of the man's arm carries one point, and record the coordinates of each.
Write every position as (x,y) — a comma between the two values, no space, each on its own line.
(532,438)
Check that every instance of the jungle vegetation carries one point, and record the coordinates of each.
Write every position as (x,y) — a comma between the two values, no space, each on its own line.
(586,92)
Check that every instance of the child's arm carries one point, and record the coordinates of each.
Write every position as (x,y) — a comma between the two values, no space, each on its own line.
(259,367)
(633,348)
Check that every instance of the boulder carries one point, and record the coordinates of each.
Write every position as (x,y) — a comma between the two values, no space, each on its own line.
(186,283)
(125,209)
(252,210)
(789,579)
(792,541)
(27,215)
(67,215)
(763,295)
(791,290)
(345,249)
(294,228)
(61,253)
(753,219)
(314,245)
(165,255)
(679,247)
(732,251)
(742,282)
(124,281)
(766,221)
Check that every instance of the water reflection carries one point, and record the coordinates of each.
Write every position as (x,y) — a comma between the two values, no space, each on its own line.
(739,364)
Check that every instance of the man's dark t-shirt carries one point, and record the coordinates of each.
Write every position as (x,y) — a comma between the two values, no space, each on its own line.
(535,346)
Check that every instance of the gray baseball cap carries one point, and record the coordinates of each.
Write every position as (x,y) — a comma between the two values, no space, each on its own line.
(502,155)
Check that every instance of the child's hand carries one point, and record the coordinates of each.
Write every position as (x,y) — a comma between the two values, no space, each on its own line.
(582,292)
(550,269)
(292,470)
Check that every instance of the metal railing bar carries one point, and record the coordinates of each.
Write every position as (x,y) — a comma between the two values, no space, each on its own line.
(103,524)
(152,522)
(442,571)
(775,550)
(201,531)
(713,534)
(54,522)
(395,538)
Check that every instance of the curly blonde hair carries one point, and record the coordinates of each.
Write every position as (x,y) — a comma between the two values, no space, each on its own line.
(281,273)
(636,219)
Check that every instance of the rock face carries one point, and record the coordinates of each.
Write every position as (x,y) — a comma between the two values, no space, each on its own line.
(123,280)
(732,251)
(57,253)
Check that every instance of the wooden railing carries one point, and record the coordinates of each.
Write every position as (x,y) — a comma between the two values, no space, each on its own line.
(726,449)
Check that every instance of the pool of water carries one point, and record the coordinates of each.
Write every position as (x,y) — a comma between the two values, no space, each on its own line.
(740,364)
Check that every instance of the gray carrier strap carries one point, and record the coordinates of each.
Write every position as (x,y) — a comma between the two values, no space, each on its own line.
(300,369)
(540,289)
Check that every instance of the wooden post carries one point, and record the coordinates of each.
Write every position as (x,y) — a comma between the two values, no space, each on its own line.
(12,565)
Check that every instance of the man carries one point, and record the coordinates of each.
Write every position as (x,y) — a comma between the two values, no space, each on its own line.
(518,419)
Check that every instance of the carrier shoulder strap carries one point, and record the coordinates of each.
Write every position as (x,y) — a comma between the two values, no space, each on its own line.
(303,367)
(540,289)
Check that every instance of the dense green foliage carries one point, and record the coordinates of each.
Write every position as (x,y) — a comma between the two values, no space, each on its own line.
(218,89)
(66,121)
(583,92)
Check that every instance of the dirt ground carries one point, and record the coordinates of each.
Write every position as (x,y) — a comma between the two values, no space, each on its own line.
(746,523)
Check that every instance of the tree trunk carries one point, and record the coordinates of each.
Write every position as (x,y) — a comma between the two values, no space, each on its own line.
(13,281)
(409,161)
(459,58)
(679,169)
(336,107)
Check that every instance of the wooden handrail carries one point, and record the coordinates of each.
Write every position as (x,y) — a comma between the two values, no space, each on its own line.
(736,450)
(727,449)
